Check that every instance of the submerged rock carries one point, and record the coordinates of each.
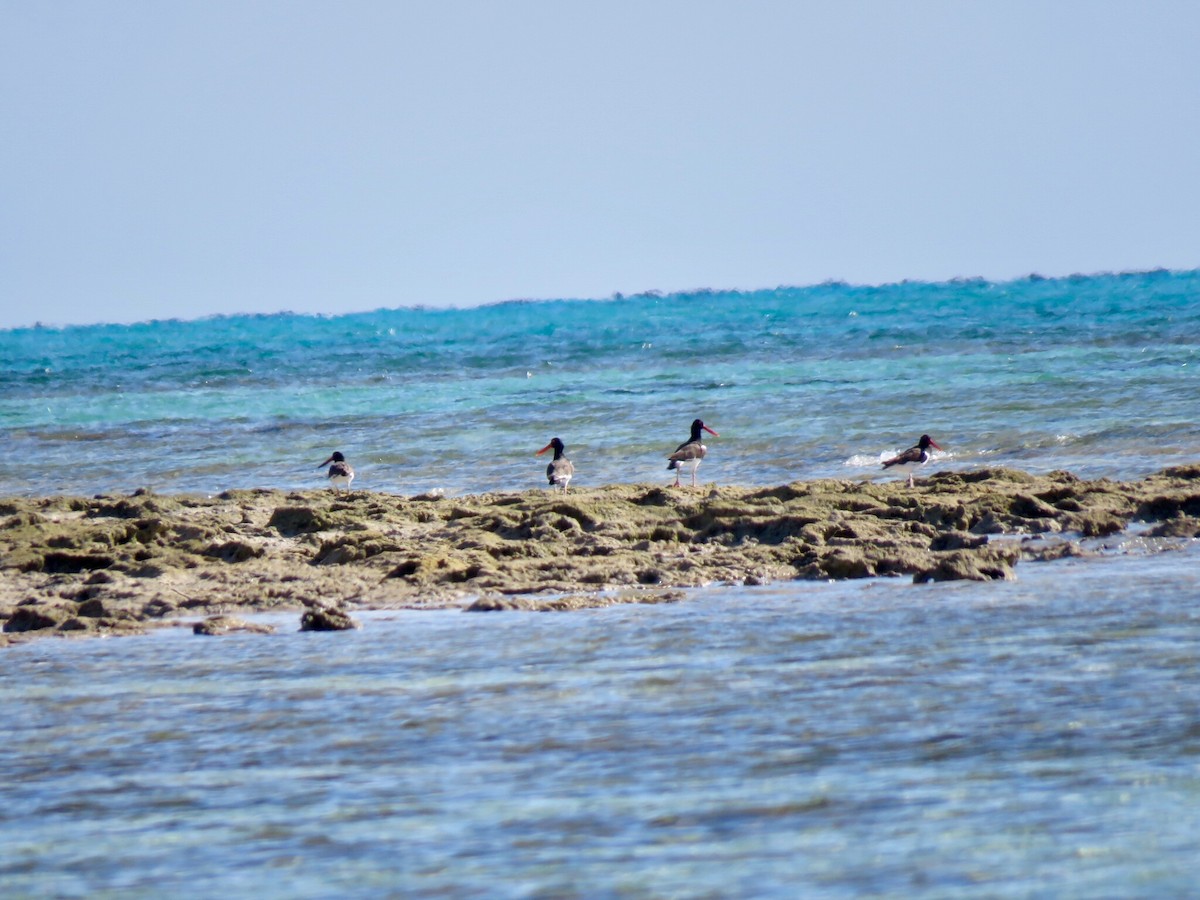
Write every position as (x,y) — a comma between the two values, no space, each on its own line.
(218,625)
(500,604)
(572,601)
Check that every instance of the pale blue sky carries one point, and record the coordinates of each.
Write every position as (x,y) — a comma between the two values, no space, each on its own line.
(177,159)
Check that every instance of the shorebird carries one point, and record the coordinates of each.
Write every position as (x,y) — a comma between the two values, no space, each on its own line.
(918,454)
(561,469)
(692,450)
(340,473)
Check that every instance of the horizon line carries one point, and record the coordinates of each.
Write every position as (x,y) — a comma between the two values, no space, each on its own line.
(615,296)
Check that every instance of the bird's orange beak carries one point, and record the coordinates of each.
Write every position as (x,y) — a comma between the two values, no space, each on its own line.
(324,464)
(710,431)
(934,445)
(544,449)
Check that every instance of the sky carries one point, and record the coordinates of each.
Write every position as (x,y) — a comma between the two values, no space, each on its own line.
(198,157)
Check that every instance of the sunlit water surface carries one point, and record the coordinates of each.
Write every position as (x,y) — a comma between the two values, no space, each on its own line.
(1094,374)
(1037,738)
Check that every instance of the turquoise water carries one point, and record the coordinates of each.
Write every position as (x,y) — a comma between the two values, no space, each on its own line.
(1039,738)
(1095,374)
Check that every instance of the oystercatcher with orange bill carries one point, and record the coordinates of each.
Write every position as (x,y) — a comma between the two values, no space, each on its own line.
(690,451)
(560,470)
(340,473)
(918,455)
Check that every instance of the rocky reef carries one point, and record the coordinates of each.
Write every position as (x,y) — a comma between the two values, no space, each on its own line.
(118,565)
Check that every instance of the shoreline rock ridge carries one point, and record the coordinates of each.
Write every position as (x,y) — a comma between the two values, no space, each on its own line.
(113,565)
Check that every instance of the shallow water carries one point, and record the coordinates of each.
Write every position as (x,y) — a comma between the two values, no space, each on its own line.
(1036,738)
(1092,374)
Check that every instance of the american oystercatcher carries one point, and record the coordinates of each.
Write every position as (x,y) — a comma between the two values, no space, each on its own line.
(340,472)
(561,469)
(915,455)
(692,450)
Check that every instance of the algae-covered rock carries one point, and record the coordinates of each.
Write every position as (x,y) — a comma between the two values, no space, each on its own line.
(1047,551)
(233,551)
(36,618)
(844,562)
(293,520)
(1184,473)
(571,602)
(1167,506)
(499,604)
(76,624)
(111,562)
(324,618)
(957,540)
(977,476)
(61,562)
(985,564)
(219,625)
(352,548)
(1027,506)
(22,519)
(158,607)
(139,505)
(1099,524)
(1178,527)
(92,608)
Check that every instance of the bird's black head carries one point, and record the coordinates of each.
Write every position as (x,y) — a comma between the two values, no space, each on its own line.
(335,458)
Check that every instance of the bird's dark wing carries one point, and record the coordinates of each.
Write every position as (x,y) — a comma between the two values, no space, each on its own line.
(911,455)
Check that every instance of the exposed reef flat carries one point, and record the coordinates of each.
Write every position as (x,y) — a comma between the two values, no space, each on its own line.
(120,565)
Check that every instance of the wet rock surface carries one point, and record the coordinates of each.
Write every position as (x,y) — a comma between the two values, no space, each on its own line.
(327,618)
(114,565)
(215,626)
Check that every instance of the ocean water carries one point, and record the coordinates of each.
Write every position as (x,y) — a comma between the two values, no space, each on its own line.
(1039,738)
(1096,374)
